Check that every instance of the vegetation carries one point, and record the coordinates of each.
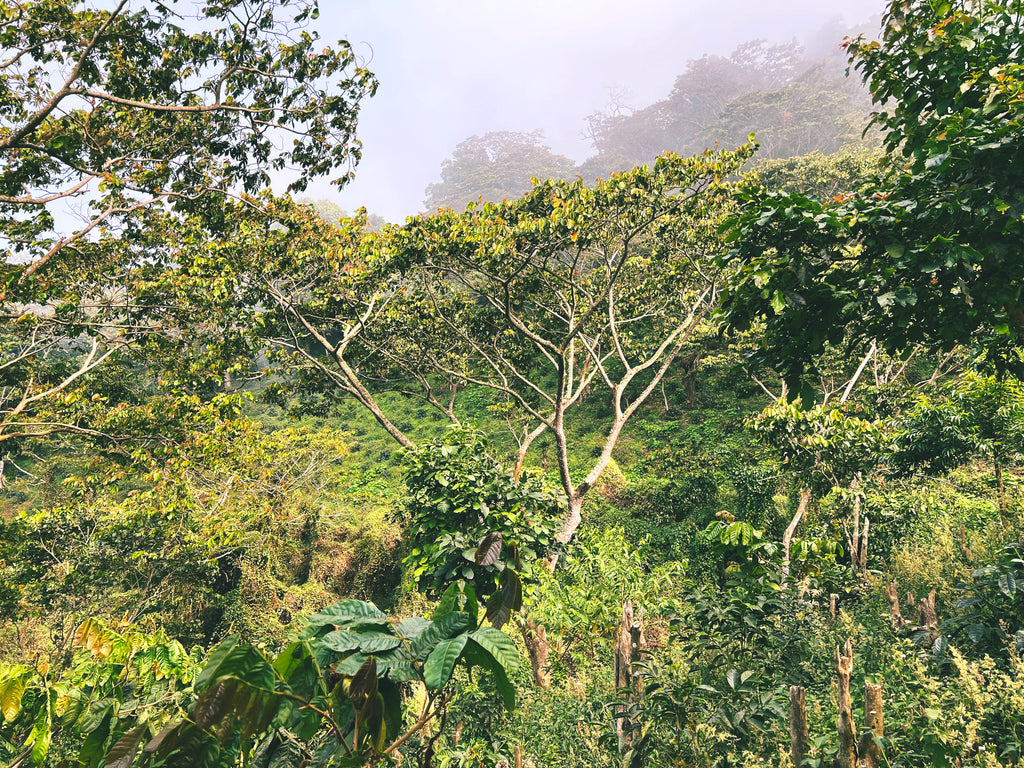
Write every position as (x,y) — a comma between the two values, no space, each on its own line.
(695,465)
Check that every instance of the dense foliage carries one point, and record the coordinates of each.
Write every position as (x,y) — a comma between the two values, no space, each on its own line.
(232,426)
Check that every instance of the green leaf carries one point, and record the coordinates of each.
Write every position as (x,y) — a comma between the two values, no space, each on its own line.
(374,642)
(476,656)
(97,713)
(348,612)
(237,659)
(441,629)
(1007,584)
(39,736)
(439,664)
(449,601)
(11,691)
(348,666)
(506,600)
(498,645)
(409,629)
(341,640)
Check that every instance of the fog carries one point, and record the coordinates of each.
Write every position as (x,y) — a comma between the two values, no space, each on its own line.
(449,69)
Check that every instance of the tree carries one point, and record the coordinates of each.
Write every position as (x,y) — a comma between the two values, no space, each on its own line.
(573,290)
(719,101)
(563,294)
(494,167)
(927,251)
(975,415)
(128,116)
(135,109)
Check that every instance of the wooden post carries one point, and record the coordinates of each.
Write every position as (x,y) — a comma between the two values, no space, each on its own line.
(927,616)
(867,749)
(519,756)
(847,757)
(798,733)
(833,605)
(893,596)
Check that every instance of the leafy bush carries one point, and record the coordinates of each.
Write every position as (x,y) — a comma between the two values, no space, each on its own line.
(461,500)
(332,697)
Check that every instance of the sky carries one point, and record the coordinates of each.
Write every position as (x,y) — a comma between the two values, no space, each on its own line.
(451,69)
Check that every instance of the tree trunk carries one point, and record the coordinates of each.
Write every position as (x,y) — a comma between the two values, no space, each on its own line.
(628,640)
(927,615)
(863,564)
(536,639)
(787,537)
(833,605)
(854,539)
(573,518)
(528,439)
(847,757)
(869,752)
(893,596)
(798,733)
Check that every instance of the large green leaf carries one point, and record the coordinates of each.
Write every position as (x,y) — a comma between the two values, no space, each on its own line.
(439,664)
(296,667)
(449,602)
(348,612)
(507,600)
(374,642)
(235,658)
(348,666)
(499,646)
(408,629)
(341,640)
(443,628)
(12,688)
(39,737)
(476,656)
(95,726)
(395,657)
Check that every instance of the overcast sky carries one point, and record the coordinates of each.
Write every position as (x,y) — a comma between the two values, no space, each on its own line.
(449,69)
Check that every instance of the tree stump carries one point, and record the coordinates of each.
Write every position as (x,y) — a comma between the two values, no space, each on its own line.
(798,733)
(893,596)
(847,757)
(868,750)
(536,639)
(927,616)
(628,641)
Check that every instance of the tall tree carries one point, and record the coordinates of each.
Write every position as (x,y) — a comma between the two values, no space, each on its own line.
(495,167)
(566,293)
(929,250)
(114,119)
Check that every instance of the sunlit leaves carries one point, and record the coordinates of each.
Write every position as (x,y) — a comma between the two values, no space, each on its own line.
(921,252)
